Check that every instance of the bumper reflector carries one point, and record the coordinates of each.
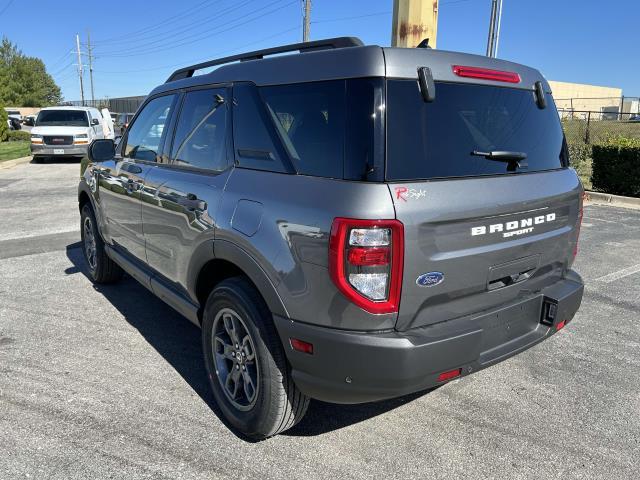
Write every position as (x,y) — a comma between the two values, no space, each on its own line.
(561,325)
(301,346)
(444,376)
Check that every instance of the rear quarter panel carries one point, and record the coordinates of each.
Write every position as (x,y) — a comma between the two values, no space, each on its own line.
(283,222)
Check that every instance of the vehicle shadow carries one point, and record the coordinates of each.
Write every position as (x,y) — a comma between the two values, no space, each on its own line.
(54,160)
(179,343)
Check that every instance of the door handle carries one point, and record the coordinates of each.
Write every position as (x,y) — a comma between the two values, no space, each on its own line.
(192,202)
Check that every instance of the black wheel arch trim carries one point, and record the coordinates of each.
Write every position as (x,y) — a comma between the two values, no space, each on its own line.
(226,250)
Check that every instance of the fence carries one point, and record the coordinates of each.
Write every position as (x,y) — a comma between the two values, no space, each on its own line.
(115,105)
(608,106)
(589,127)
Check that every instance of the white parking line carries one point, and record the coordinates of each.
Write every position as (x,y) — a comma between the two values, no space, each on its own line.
(625,272)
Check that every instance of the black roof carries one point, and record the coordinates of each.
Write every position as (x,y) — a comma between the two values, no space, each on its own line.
(337,58)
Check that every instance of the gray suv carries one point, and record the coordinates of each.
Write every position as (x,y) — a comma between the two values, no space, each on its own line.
(347,223)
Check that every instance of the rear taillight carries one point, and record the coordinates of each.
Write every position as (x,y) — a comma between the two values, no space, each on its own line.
(366,261)
(579,225)
(486,74)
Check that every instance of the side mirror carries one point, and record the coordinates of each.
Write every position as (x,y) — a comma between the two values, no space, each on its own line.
(95,121)
(102,150)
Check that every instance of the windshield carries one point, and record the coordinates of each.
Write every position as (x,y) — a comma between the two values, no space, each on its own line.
(67,118)
(437,139)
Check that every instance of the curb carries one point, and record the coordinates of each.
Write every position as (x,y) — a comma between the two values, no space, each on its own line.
(616,200)
(13,163)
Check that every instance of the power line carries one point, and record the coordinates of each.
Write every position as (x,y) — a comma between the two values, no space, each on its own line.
(202,59)
(177,31)
(58,72)
(328,20)
(155,26)
(6,7)
(173,45)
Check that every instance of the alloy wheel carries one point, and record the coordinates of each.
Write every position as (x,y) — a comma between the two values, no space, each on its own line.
(235,359)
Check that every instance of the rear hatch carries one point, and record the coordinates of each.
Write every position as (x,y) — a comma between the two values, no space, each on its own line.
(479,232)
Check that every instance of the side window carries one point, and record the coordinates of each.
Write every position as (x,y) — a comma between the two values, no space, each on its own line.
(310,118)
(253,132)
(201,132)
(146,133)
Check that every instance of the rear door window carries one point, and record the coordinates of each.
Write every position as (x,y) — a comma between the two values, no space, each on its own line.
(331,129)
(201,133)
(310,119)
(436,140)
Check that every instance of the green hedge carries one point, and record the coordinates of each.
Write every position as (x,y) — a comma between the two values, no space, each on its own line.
(18,136)
(616,167)
(580,157)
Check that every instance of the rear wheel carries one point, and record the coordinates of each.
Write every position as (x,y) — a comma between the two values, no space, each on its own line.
(246,363)
(101,268)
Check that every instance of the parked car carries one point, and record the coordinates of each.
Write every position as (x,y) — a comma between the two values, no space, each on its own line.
(30,120)
(634,118)
(66,131)
(122,122)
(351,224)
(14,119)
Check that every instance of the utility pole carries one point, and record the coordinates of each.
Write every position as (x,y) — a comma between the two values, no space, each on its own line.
(93,99)
(494,28)
(80,68)
(413,22)
(306,32)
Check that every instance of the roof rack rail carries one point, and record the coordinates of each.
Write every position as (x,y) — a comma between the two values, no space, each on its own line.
(338,42)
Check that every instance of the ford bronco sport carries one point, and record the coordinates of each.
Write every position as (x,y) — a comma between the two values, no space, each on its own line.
(348,223)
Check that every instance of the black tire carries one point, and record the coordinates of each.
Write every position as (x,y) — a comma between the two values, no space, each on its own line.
(101,268)
(278,404)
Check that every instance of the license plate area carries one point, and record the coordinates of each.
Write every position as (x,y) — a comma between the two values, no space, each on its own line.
(509,323)
(58,151)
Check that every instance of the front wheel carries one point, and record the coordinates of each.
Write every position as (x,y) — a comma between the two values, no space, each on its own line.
(246,363)
(101,268)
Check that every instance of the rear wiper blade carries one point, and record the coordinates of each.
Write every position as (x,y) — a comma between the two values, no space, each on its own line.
(513,159)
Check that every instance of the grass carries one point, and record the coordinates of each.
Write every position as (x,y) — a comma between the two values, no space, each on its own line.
(11,150)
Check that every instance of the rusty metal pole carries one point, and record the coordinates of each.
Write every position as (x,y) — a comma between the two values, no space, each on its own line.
(413,21)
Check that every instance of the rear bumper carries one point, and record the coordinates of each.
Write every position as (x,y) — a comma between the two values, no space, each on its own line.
(69,150)
(357,367)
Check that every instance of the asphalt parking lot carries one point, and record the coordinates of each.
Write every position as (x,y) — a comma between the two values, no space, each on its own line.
(108,382)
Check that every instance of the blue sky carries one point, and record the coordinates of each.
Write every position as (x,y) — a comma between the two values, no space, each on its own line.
(139,43)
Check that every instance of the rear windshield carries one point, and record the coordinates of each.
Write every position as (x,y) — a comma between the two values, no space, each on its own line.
(67,118)
(436,140)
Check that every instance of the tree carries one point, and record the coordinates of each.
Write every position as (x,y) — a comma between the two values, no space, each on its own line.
(24,81)
(4,126)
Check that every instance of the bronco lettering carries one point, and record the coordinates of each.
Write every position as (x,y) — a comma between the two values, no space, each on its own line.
(514,227)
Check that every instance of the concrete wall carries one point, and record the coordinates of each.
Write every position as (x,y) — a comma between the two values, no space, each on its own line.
(25,110)
(579,96)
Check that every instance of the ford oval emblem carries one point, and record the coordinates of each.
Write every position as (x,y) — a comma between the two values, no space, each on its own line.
(430,279)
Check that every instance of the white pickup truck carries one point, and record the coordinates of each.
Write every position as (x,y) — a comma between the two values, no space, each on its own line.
(68,131)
